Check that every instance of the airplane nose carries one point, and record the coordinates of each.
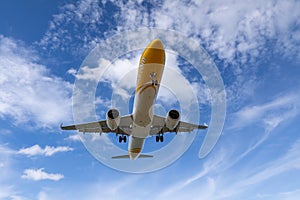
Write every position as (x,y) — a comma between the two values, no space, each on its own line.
(156,44)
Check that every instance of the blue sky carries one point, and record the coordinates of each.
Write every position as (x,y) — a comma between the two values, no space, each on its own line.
(255,45)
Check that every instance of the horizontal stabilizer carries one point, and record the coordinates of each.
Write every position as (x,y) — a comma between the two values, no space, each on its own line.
(127,156)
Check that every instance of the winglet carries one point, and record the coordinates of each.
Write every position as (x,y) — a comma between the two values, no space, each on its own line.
(204,126)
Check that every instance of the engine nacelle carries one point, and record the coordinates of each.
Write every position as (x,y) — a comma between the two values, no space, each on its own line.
(113,118)
(172,119)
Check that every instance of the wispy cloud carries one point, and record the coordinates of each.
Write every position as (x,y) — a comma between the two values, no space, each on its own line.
(74,18)
(75,137)
(47,151)
(8,192)
(285,106)
(29,93)
(6,162)
(268,115)
(291,160)
(289,195)
(7,174)
(258,175)
(40,174)
(213,165)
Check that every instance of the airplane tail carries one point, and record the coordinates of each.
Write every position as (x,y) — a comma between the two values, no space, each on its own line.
(127,156)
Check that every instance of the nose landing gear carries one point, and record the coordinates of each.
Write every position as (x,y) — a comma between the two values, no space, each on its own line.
(153,78)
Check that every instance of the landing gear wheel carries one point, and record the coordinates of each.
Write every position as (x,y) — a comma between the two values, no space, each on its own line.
(120,139)
(157,138)
(125,139)
(161,138)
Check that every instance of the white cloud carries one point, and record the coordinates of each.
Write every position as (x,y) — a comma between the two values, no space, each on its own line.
(242,34)
(72,71)
(238,34)
(107,71)
(239,29)
(29,93)
(47,151)
(40,174)
(75,137)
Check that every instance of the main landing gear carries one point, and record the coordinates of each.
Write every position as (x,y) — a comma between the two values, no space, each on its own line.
(122,138)
(159,138)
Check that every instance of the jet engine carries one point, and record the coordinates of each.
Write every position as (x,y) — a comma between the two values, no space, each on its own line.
(113,118)
(172,119)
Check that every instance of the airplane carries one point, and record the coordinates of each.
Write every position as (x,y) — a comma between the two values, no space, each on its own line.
(141,123)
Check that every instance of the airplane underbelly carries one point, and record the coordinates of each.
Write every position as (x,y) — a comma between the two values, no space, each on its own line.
(143,109)
(140,131)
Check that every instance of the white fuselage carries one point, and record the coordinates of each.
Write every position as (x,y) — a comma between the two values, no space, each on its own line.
(149,77)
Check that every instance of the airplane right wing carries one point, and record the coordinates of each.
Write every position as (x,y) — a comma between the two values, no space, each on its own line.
(159,127)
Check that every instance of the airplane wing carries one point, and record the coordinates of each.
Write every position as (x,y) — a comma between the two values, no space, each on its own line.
(159,127)
(101,126)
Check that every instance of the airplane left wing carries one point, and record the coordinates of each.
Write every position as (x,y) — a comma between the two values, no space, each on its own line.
(159,127)
(101,126)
